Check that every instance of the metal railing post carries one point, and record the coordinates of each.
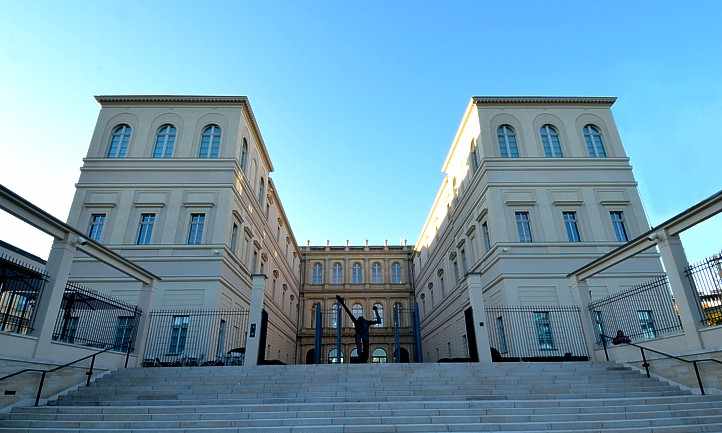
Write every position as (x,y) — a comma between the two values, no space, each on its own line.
(339,331)
(397,335)
(645,364)
(40,388)
(699,379)
(418,353)
(318,335)
(90,372)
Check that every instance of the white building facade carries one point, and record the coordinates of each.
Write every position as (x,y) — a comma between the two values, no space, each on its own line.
(534,187)
(181,186)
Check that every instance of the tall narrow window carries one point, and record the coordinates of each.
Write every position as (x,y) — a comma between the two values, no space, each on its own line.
(178,334)
(334,315)
(145,229)
(485,235)
(261,190)
(317,276)
(254,261)
(474,156)
(595,144)
(544,335)
(523,226)
(380,309)
(396,273)
(123,329)
(69,329)
(599,325)
(455,265)
(507,142)
(570,224)
(442,285)
(501,333)
(210,142)
(164,142)
(95,230)
(221,343)
(337,274)
(357,310)
(376,276)
(357,276)
(620,231)
(195,231)
(244,155)
(550,141)
(234,237)
(119,140)
(463,262)
(646,322)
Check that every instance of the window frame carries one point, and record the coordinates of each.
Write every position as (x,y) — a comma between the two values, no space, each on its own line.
(549,136)
(510,146)
(357,273)
(95,233)
(144,236)
(317,273)
(377,274)
(595,149)
(168,133)
(199,234)
(178,334)
(544,331)
(213,146)
(119,150)
(396,273)
(522,219)
(619,227)
(571,226)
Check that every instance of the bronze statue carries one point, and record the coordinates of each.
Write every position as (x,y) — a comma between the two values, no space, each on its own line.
(361,326)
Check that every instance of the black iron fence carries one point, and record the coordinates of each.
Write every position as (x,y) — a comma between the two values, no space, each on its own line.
(20,289)
(193,337)
(89,318)
(706,278)
(644,312)
(536,333)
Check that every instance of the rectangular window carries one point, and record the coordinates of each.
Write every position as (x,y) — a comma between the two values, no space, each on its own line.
(463,262)
(221,345)
(254,261)
(502,335)
(123,329)
(485,235)
(543,330)
(234,237)
(145,229)
(599,325)
(195,231)
(523,226)
(178,334)
(69,329)
(646,322)
(620,231)
(570,224)
(95,231)
(455,265)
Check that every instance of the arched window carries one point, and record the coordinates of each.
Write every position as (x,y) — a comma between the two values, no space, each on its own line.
(317,276)
(380,308)
(357,273)
(396,273)
(164,142)
(335,357)
(595,144)
(244,155)
(357,310)
(337,274)
(550,141)
(210,142)
(119,140)
(507,142)
(376,276)
(474,156)
(354,353)
(378,355)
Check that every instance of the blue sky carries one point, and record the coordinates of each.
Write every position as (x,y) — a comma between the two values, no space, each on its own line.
(358,103)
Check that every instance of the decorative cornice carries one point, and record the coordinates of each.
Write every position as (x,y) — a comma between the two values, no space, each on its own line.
(546,100)
(171,99)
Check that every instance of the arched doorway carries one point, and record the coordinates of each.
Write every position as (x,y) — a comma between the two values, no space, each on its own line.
(379,356)
(404,355)
(333,358)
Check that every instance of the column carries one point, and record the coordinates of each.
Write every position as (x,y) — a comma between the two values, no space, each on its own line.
(582,297)
(145,301)
(253,339)
(58,267)
(477,306)
(675,263)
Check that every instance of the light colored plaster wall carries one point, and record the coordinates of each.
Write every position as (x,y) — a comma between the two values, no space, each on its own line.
(527,273)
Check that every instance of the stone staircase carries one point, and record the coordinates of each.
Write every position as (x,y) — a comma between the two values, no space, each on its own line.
(570,397)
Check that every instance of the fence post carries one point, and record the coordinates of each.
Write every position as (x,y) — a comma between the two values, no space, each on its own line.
(258,288)
(147,292)
(318,335)
(685,295)
(580,294)
(339,332)
(418,352)
(473,280)
(58,267)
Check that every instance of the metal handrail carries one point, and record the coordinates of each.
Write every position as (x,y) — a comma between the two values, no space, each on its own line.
(89,373)
(645,364)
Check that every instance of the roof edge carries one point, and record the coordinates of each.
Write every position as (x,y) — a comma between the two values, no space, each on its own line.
(174,99)
(581,100)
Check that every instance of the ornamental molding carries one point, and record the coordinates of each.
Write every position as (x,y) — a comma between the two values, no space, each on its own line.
(546,100)
(172,99)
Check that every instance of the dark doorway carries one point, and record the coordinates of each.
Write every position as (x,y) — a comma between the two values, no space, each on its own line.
(471,335)
(404,355)
(311,357)
(262,340)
